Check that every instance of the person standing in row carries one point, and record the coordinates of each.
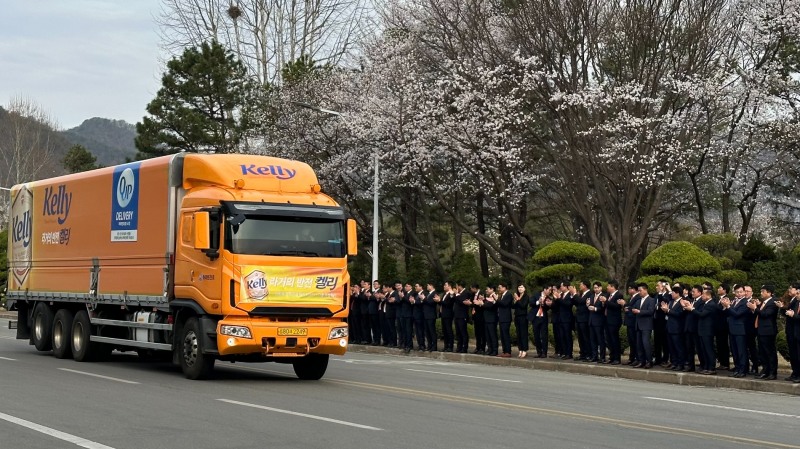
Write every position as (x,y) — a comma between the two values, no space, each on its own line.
(644,326)
(538,316)
(504,306)
(568,292)
(448,300)
(766,327)
(429,305)
(461,308)
(392,305)
(597,324)
(521,320)
(705,311)
(419,316)
(630,324)
(674,317)
(690,328)
(407,315)
(736,313)
(752,336)
(660,335)
(721,337)
(487,306)
(613,313)
(581,303)
(478,323)
(792,314)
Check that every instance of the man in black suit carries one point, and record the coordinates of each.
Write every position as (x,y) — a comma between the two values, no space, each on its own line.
(555,320)
(630,324)
(580,302)
(354,318)
(504,306)
(614,305)
(597,323)
(721,337)
(429,305)
(392,306)
(736,312)
(538,316)
(674,317)
(706,312)
(366,325)
(461,308)
(644,325)
(448,300)
(407,316)
(690,328)
(565,312)
(766,312)
(419,316)
(478,323)
(792,314)
(374,317)
(660,335)
(487,307)
(752,334)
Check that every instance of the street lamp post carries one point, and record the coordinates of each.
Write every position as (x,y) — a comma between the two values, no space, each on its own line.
(375,211)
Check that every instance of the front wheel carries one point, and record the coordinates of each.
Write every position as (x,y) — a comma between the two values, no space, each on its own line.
(311,367)
(194,364)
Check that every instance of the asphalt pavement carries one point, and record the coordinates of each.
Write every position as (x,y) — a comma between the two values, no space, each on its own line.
(367,401)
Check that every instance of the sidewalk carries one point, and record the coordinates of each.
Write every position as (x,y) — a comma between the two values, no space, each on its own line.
(656,374)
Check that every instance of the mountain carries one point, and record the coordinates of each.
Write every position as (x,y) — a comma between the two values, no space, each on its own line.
(111,141)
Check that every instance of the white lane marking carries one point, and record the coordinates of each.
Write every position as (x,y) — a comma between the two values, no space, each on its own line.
(464,375)
(392,362)
(737,409)
(7,338)
(100,376)
(304,415)
(9,359)
(76,440)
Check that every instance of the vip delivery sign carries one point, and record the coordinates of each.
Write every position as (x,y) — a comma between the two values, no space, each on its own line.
(125,203)
(292,285)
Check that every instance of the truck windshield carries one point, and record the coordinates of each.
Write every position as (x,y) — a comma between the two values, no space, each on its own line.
(285,236)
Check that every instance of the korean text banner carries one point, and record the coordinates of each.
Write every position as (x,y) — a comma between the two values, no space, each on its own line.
(292,285)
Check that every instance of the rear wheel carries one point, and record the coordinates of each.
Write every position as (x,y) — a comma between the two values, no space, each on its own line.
(62,334)
(194,364)
(83,349)
(311,367)
(42,327)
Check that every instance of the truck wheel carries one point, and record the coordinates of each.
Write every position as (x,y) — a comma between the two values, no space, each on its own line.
(311,367)
(83,349)
(43,327)
(194,363)
(62,334)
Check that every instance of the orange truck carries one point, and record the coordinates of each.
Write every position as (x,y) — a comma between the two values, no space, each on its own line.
(204,256)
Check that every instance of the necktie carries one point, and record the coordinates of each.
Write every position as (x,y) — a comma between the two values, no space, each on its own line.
(540,312)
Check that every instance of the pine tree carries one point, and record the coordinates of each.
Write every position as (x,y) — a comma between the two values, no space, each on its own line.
(79,159)
(201,106)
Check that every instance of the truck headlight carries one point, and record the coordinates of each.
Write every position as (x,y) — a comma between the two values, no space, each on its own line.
(339,332)
(235,331)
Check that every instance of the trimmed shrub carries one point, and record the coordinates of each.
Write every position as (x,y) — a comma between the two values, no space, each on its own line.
(756,250)
(782,346)
(725,263)
(716,244)
(772,272)
(731,277)
(733,255)
(651,281)
(680,259)
(553,274)
(691,281)
(594,271)
(562,252)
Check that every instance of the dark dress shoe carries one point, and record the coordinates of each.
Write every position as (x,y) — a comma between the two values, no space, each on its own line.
(771,377)
(615,362)
(796,380)
(565,357)
(762,376)
(711,373)
(648,365)
(740,375)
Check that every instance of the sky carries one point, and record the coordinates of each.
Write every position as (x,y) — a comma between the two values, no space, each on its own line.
(79,59)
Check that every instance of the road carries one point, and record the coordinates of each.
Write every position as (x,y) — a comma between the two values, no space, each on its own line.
(366,401)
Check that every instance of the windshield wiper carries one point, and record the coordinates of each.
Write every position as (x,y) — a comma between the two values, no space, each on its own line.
(292,252)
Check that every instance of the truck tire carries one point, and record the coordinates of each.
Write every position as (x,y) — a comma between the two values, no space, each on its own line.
(62,334)
(311,367)
(42,327)
(83,349)
(194,364)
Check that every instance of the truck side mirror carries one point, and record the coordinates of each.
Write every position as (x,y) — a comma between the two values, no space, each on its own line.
(352,239)
(201,231)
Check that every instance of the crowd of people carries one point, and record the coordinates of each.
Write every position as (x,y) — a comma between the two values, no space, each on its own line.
(680,327)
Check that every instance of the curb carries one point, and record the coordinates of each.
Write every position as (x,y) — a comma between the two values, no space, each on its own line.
(618,371)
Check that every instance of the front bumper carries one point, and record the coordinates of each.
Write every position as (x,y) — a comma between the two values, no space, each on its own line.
(265,338)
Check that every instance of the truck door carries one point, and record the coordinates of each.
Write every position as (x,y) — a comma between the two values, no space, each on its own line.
(198,272)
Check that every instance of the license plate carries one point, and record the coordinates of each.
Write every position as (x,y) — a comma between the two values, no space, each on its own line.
(292,331)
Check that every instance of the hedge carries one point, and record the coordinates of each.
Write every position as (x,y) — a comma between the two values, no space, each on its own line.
(553,274)
(731,277)
(691,281)
(680,259)
(562,252)
(651,281)
(716,244)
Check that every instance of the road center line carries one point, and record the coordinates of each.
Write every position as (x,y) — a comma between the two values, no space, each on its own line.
(9,359)
(463,375)
(289,412)
(99,376)
(723,407)
(76,440)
